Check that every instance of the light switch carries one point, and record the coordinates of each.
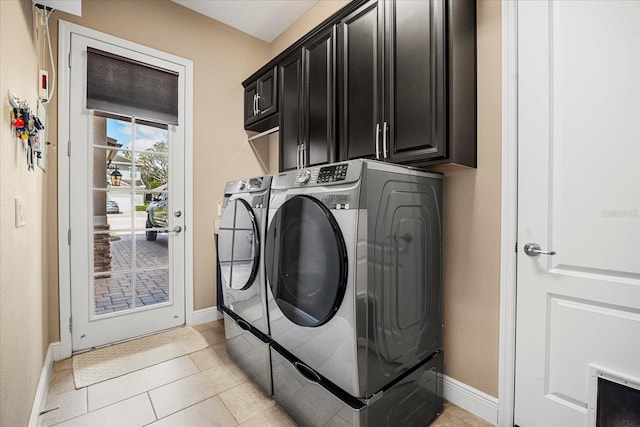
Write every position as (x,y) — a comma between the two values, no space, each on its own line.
(21,218)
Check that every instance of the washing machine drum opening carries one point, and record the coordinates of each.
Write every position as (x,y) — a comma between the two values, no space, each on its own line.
(238,245)
(306,261)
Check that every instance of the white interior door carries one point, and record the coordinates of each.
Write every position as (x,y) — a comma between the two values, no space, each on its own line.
(578,311)
(127,266)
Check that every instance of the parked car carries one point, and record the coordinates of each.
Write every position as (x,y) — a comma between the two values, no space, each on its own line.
(112,207)
(157,216)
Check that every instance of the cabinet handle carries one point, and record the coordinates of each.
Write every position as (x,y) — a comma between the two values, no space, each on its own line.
(302,155)
(257,104)
(254,103)
(298,157)
(377,141)
(384,140)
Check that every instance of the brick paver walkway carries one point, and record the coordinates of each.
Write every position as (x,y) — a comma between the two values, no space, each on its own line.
(114,292)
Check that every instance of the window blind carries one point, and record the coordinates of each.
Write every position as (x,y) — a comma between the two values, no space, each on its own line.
(120,85)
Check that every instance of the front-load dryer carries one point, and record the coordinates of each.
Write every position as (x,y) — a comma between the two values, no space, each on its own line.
(353,262)
(241,261)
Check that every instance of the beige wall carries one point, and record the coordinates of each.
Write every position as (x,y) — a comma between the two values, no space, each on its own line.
(314,16)
(24,334)
(471,212)
(472,229)
(318,13)
(222,58)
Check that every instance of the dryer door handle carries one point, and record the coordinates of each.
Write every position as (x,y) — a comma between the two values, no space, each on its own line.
(307,372)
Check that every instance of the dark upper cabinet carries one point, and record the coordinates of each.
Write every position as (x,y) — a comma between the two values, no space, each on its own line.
(414,119)
(393,80)
(318,99)
(261,102)
(290,110)
(359,82)
(407,82)
(307,108)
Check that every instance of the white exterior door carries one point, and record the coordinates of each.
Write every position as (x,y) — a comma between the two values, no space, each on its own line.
(578,311)
(127,271)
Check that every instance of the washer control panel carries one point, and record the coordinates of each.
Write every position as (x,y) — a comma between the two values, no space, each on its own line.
(248,185)
(345,172)
(333,173)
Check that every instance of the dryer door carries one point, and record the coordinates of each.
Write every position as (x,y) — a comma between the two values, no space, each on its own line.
(306,261)
(238,246)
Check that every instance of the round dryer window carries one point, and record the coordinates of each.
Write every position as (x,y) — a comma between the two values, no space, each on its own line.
(306,261)
(238,245)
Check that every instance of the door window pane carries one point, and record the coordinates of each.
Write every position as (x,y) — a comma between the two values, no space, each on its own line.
(152,287)
(152,253)
(130,214)
(112,292)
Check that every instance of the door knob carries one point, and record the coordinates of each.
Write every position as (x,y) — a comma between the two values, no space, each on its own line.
(177,229)
(177,214)
(533,249)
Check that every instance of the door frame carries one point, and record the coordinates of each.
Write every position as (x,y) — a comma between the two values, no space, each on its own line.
(509,215)
(64,263)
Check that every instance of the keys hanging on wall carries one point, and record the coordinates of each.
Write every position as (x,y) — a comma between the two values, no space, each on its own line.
(26,128)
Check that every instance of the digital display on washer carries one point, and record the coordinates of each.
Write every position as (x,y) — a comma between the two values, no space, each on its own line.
(333,173)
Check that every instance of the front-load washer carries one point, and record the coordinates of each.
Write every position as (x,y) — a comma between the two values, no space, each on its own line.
(353,262)
(241,261)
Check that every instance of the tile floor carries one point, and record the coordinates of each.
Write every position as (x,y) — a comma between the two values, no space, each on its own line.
(204,388)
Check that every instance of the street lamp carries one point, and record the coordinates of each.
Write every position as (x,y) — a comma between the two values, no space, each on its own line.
(116,177)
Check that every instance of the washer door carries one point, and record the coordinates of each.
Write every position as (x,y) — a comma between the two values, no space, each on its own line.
(306,261)
(238,245)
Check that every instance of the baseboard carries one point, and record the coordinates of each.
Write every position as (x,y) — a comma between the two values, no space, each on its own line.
(40,400)
(471,399)
(206,315)
(56,351)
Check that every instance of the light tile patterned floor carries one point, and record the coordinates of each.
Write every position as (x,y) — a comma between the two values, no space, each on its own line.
(204,388)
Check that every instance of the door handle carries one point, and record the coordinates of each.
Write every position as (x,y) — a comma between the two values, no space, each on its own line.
(177,229)
(533,249)
(384,140)
(378,141)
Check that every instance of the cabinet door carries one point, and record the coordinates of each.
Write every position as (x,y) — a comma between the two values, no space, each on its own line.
(250,108)
(359,82)
(290,117)
(268,93)
(415,84)
(318,99)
